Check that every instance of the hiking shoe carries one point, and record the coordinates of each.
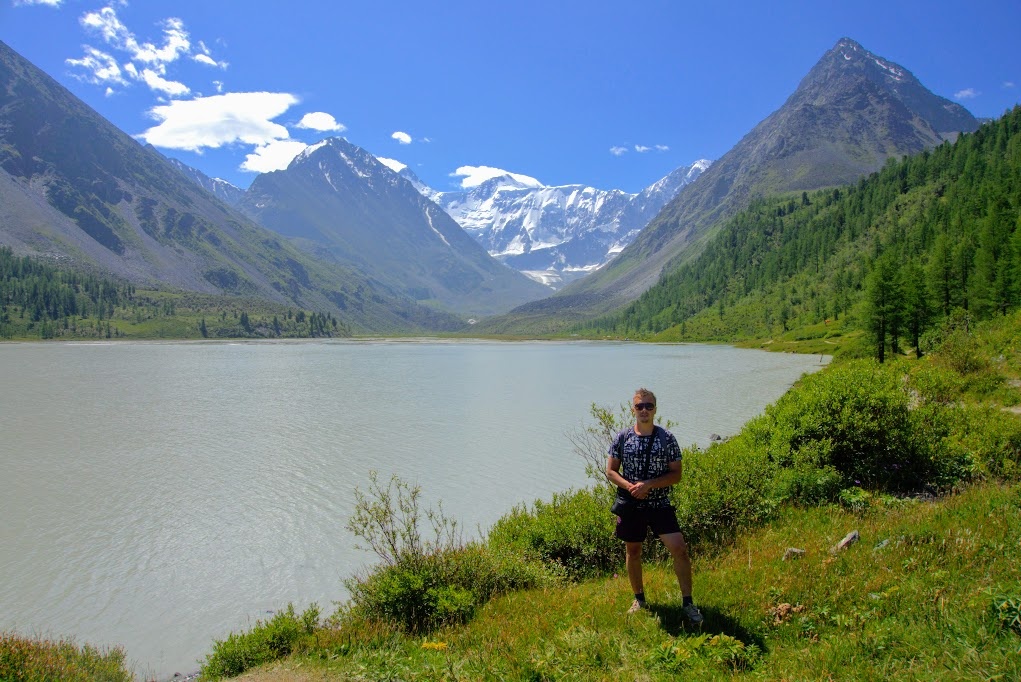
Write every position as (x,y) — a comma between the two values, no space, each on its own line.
(636,606)
(692,613)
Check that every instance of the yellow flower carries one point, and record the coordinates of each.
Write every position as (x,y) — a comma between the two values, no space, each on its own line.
(439,646)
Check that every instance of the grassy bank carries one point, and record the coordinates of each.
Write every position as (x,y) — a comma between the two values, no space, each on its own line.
(929,592)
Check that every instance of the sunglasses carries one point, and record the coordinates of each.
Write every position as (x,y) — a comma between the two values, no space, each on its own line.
(647,407)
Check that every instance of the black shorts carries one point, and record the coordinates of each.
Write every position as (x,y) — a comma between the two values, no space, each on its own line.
(635,527)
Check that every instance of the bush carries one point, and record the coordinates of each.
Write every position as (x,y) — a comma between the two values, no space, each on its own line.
(267,641)
(723,488)
(854,418)
(573,531)
(420,594)
(987,438)
(23,659)
(426,583)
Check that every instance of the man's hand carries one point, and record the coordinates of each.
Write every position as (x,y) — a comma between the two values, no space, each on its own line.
(639,490)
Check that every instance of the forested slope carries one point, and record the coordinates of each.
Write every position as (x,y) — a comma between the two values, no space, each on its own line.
(892,254)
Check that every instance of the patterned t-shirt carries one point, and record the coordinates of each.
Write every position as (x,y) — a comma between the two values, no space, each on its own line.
(630,449)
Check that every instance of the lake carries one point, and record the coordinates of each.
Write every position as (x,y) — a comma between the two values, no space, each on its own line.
(159,495)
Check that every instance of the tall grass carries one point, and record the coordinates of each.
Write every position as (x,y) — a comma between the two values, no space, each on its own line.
(26,659)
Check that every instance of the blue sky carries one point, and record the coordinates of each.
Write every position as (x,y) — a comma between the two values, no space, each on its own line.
(607,94)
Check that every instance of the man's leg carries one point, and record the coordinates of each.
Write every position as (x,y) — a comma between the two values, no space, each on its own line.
(633,559)
(682,562)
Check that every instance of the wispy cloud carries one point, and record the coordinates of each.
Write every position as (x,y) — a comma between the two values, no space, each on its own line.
(393,164)
(146,62)
(158,83)
(662,148)
(473,176)
(50,3)
(641,149)
(618,151)
(967,93)
(211,122)
(275,155)
(1008,84)
(401,137)
(321,121)
(100,68)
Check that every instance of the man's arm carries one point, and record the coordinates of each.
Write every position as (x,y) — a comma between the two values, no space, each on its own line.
(642,488)
(613,473)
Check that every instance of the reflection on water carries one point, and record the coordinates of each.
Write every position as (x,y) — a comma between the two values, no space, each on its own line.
(158,495)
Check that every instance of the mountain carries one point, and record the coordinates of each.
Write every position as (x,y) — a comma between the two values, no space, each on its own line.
(557,234)
(339,202)
(76,190)
(849,114)
(221,189)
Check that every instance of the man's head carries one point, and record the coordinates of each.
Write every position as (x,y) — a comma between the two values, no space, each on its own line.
(643,405)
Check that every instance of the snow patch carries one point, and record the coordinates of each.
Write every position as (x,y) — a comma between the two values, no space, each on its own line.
(392,164)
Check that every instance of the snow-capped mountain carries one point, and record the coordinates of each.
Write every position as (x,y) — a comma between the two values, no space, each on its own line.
(554,234)
(218,187)
(340,203)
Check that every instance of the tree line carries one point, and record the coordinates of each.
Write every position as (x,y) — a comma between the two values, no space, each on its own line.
(39,299)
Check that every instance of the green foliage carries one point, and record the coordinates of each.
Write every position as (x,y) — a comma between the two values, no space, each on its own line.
(855,418)
(720,651)
(426,582)
(723,489)
(268,641)
(24,659)
(1007,612)
(573,531)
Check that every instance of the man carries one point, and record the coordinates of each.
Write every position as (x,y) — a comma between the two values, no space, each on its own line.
(645,461)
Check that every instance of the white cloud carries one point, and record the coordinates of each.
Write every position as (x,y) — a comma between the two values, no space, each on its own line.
(322,122)
(146,61)
(641,149)
(392,164)
(662,148)
(160,84)
(967,93)
(618,151)
(476,175)
(214,121)
(101,67)
(1008,84)
(401,137)
(50,3)
(275,155)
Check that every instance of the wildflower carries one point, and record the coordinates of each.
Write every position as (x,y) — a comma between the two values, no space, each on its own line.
(438,646)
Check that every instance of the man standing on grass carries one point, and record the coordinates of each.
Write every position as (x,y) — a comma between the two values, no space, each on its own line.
(645,461)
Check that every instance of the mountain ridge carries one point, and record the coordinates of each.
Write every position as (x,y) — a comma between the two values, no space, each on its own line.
(851,112)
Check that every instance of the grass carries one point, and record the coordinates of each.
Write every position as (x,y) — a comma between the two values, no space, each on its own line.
(915,599)
(24,659)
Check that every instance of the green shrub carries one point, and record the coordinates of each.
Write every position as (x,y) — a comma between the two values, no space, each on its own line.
(723,488)
(24,659)
(854,418)
(420,594)
(988,438)
(574,531)
(426,583)
(267,641)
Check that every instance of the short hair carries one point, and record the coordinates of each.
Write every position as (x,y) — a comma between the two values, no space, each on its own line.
(645,394)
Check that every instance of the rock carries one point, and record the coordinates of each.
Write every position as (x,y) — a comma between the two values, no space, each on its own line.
(793,553)
(848,540)
(715,437)
(881,545)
